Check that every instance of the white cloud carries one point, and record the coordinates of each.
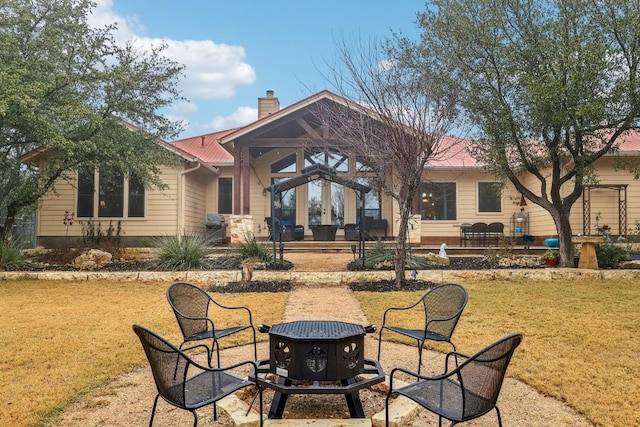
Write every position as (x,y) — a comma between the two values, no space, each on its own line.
(127,27)
(242,116)
(183,107)
(212,70)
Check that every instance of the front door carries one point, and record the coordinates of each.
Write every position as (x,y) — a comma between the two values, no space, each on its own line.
(326,203)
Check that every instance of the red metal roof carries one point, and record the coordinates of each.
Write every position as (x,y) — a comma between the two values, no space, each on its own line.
(207,147)
(630,142)
(455,155)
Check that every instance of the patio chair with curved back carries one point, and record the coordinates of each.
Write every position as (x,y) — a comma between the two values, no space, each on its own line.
(190,305)
(443,306)
(495,233)
(470,390)
(479,234)
(185,383)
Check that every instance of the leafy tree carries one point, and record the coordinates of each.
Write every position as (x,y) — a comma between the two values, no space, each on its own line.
(550,87)
(396,124)
(69,92)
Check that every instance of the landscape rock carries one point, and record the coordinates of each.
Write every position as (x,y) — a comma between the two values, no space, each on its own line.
(629,265)
(524,261)
(437,259)
(92,259)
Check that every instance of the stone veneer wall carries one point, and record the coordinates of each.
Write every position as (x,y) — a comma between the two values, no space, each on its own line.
(240,227)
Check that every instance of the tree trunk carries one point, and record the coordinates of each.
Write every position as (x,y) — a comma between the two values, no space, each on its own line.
(5,229)
(565,239)
(401,247)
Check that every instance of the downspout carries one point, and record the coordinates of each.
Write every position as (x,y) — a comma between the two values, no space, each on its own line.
(181,202)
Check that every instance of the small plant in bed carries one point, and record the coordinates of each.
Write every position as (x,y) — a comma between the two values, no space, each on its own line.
(11,256)
(390,286)
(251,249)
(609,254)
(184,253)
(381,258)
(253,286)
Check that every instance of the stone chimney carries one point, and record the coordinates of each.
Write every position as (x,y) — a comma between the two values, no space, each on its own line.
(269,104)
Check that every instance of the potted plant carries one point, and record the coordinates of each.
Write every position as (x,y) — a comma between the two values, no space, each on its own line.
(550,257)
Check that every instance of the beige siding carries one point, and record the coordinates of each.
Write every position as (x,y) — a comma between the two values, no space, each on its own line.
(160,211)
(467,204)
(194,216)
(605,201)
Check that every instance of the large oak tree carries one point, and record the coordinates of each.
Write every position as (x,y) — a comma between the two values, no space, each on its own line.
(550,87)
(65,89)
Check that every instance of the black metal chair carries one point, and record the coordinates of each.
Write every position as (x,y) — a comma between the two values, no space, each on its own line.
(190,305)
(284,230)
(443,306)
(465,233)
(186,384)
(470,390)
(495,232)
(479,233)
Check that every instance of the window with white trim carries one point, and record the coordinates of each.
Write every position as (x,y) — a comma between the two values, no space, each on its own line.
(489,197)
(116,194)
(438,201)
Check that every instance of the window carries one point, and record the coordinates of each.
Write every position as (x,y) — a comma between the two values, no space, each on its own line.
(334,160)
(284,203)
(438,201)
(111,188)
(86,189)
(489,197)
(285,165)
(372,200)
(136,198)
(225,195)
(110,194)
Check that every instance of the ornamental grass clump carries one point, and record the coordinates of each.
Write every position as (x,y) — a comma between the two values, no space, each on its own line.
(255,251)
(182,253)
(380,257)
(11,256)
(251,248)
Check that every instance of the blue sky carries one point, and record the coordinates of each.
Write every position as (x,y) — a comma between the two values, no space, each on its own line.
(235,50)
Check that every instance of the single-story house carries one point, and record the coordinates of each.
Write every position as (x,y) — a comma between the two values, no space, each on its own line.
(229,173)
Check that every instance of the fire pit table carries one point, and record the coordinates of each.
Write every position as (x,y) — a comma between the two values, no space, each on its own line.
(317,357)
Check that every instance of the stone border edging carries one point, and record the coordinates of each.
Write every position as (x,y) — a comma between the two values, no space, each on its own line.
(222,277)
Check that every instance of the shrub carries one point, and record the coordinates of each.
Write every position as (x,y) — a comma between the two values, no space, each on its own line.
(11,256)
(251,248)
(181,253)
(609,254)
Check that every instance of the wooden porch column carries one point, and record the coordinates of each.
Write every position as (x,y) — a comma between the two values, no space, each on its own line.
(236,180)
(245,180)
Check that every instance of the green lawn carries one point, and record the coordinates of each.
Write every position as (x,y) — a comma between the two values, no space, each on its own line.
(581,339)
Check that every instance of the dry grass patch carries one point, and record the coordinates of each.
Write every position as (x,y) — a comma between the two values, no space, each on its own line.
(580,338)
(62,339)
